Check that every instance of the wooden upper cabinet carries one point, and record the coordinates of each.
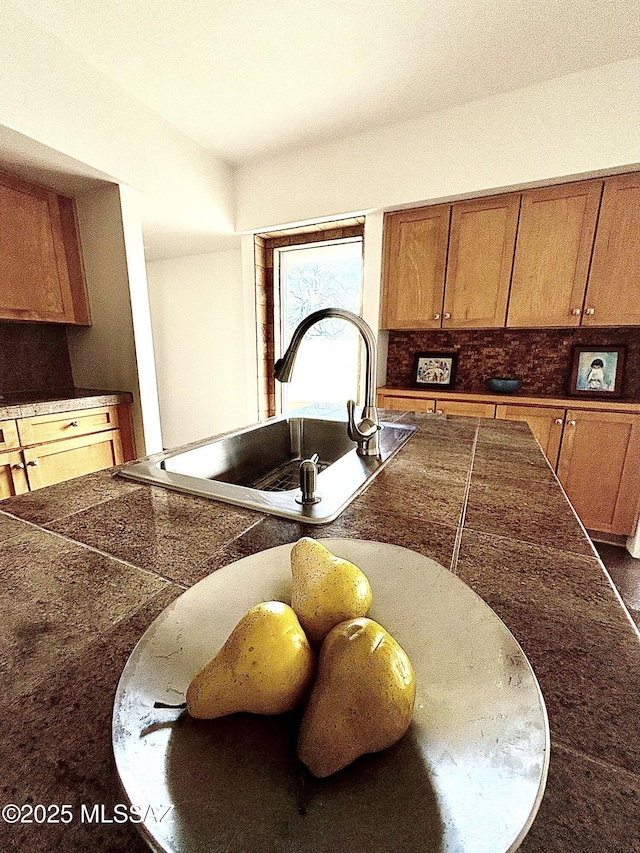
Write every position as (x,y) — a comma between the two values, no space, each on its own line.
(41,273)
(481,245)
(415,256)
(613,292)
(553,251)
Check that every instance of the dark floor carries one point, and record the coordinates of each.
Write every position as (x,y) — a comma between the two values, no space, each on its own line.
(625,573)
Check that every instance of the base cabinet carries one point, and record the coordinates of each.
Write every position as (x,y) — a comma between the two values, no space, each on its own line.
(595,453)
(49,449)
(545,423)
(598,468)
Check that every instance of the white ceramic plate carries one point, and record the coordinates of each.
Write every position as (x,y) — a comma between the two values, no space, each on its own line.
(468,776)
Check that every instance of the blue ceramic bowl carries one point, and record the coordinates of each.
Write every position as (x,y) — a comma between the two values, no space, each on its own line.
(504,386)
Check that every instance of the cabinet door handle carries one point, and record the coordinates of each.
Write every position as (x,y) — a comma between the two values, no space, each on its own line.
(590,311)
(436,316)
(429,411)
(571,423)
(447,316)
(33,462)
(576,312)
(19,466)
(439,412)
(73,423)
(558,421)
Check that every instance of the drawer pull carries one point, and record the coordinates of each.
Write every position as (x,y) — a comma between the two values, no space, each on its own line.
(436,316)
(19,466)
(73,423)
(590,311)
(558,421)
(447,316)
(439,412)
(576,312)
(32,463)
(571,423)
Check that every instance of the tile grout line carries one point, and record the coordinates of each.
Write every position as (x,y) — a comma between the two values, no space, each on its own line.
(592,759)
(95,550)
(458,540)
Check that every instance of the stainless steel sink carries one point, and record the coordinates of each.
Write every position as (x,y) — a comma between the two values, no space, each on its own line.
(258,467)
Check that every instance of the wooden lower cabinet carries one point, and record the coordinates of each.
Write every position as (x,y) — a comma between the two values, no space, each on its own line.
(439,407)
(545,423)
(595,453)
(466,410)
(56,447)
(57,461)
(598,468)
(13,475)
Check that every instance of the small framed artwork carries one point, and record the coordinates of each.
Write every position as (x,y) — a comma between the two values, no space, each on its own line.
(597,371)
(435,369)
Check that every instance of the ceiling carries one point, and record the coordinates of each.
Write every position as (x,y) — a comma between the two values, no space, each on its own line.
(247,79)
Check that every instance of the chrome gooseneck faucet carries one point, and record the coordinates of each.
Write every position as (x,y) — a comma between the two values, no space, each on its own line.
(365,432)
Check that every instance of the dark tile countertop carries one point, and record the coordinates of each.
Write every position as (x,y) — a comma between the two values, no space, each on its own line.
(25,404)
(88,564)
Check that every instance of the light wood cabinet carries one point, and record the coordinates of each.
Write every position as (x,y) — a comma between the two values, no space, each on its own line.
(481,247)
(546,424)
(613,291)
(13,475)
(440,406)
(463,409)
(598,468)
(594,451)
(41,272)
(8,435)
(415,256)
(57,461)
(56,447)
(553,251)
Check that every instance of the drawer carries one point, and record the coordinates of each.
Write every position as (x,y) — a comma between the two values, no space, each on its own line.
(8,435)
(13,475)
(57,461)
(40,428)
(463,409)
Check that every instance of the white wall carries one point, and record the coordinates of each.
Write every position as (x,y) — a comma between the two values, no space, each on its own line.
(576,124)
(104,355)
(53,96)
(198,315)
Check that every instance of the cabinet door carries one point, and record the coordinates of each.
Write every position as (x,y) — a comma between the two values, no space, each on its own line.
(406,404)
(545,423)
(598,467)
(467,410)
(481,245)
(553,250)
(13,479)
(415,255)
(62,460)
(41,276)
(41,428)
(8,435)
(614,280)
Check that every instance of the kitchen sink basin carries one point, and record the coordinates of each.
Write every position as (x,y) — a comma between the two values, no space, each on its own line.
(258,467)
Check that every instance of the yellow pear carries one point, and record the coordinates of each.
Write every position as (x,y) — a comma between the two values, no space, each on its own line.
(362,700)
(325,589)
(265,667)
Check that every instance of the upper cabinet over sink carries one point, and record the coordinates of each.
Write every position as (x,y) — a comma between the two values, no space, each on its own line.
(41,272)
(560,256)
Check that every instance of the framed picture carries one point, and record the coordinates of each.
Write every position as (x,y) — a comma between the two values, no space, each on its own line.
(435,369)
(597,371)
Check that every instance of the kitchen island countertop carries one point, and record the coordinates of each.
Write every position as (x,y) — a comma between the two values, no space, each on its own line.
(86,565)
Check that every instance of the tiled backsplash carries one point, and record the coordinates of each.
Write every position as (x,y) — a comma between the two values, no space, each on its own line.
(34,357)
(540,357)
